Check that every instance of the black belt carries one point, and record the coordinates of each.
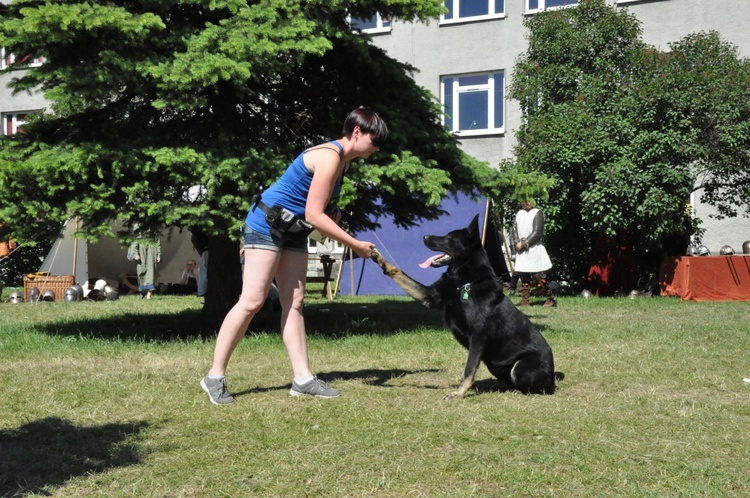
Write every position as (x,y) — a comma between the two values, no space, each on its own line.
(263,206)
(256,201)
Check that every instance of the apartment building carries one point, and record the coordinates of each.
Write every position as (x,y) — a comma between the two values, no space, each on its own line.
(468,56)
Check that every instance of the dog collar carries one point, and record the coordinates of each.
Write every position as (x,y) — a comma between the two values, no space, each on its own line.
(464,289)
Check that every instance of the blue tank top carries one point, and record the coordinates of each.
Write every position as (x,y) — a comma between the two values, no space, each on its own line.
(289,191)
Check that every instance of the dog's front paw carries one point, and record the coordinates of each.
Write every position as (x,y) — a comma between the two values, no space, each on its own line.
(378,258)
(453,395)
(388,269)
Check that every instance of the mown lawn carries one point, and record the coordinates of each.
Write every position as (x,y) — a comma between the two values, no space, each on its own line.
(102,399)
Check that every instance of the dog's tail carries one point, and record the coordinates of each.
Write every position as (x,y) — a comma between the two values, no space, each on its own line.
(559,376)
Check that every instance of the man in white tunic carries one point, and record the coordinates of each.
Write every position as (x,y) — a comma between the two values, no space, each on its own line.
(532,260)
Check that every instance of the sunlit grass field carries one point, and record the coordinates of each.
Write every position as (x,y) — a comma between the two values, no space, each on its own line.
(102,399)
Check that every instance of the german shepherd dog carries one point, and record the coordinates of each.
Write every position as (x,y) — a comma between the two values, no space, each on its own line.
(481,318)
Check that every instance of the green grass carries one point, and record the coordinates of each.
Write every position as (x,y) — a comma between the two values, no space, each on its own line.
(102,399)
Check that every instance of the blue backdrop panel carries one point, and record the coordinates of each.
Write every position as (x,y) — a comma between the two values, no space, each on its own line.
(405,249)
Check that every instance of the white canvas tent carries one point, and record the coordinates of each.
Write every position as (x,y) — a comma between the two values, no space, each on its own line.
(107,259)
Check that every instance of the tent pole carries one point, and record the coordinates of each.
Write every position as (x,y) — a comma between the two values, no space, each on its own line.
(486,219)
(351,270)
(75,252)
(338,276)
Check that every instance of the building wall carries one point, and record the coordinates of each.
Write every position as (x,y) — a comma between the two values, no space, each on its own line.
(442,49)
(437,50)
(20,102)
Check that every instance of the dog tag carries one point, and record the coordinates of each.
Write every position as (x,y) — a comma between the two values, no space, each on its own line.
(465,292)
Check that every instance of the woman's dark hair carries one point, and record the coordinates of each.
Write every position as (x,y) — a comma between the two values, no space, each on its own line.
(369,122)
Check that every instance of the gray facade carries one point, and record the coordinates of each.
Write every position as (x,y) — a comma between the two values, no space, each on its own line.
(19,103)
(13,106)
(439,48)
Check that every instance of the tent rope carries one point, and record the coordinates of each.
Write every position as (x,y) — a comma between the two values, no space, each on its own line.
(58,243)
(388,253)
(18,246)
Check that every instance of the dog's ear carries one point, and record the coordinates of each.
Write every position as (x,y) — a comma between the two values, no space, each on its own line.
(474,226)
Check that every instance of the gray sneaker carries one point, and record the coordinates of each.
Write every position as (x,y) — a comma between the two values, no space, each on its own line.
(315,387)
(217,390)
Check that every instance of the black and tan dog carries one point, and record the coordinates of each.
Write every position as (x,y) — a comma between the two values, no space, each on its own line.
(480,316)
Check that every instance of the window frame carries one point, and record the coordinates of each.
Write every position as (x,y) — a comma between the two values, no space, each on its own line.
(542,6)
(491,4)
(13,121)
(381,25)
(453,115)
(7,59)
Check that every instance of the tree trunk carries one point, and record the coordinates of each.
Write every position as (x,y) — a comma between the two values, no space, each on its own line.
(224,278)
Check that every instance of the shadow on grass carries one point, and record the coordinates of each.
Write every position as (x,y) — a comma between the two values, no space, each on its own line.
(329,320)
(380,378)
(373,377)
(490,385)
(51,451)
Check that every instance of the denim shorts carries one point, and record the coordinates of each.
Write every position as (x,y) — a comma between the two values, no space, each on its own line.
(256,240)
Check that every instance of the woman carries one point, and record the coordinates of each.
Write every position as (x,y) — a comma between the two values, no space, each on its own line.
(189,279)
(147,254)
(306,188)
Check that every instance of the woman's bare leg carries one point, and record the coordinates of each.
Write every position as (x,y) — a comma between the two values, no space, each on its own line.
(258,274)
(290,279)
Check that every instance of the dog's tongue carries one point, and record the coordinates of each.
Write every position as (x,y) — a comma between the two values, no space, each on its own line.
(429,261)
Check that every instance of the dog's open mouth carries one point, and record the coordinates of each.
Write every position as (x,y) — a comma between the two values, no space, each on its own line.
(436,261)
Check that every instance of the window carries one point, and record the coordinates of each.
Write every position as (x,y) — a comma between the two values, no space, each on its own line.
(7,59)
(12,122)
(472,10)
(375,24)
(474,104)
(540,5)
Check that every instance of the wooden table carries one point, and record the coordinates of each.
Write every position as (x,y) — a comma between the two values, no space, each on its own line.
(326,278)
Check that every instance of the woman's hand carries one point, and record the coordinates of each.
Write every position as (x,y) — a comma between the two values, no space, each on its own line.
(363,249)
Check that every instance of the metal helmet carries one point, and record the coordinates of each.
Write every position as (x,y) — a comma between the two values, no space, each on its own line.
(49,295)
(79,291)
(96,295)
(634,294)
(70,295)
(703,251)
(746,247)
(15,297)
(585,294)
(34,295)
(111,293)
(726,250)
(691,251)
